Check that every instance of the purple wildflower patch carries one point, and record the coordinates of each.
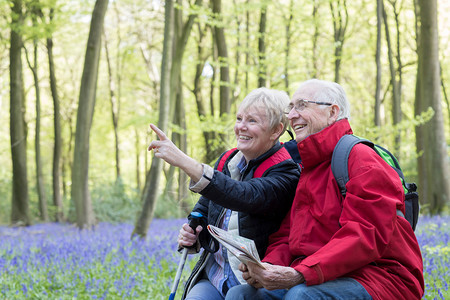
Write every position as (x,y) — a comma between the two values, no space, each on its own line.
(58,261)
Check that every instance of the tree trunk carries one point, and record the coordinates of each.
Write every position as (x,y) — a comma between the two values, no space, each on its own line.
(396,101)
(177,91)
(444,91)
(262,67)
(57,147)
(435,176)
(222,52)
(182,33)
(66,167)
(40,186)
(219,35)
(138,161)
(377,109)
(340,27)
(115,104)
(80,171)
(209,136)
(153,176)
(247,46)
(215,66)
(288,45)
(315,38)
(235,92)
(20,214)
(182,142)
(398,108)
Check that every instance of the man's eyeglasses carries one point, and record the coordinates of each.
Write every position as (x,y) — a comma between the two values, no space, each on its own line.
(301,104)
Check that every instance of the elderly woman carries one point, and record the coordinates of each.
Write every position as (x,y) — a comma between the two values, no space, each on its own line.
(330,247)
(249,191)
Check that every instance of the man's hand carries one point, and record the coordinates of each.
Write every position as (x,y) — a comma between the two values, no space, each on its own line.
(246,275)
(272,277)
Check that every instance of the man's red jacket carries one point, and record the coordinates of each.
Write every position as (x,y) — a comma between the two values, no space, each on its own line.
(325,236)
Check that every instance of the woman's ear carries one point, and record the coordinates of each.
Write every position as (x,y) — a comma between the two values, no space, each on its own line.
(333,113)
(277,132)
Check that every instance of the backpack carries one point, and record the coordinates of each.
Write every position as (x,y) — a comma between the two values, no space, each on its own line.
(339,167)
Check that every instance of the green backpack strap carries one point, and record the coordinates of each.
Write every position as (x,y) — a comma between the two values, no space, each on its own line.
(393,162)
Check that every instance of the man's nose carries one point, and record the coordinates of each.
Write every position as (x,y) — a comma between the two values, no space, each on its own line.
(293,114)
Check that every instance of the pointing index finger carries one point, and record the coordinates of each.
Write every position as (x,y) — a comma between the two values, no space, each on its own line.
(158,132)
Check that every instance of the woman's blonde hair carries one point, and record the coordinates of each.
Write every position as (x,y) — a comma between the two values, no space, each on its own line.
(273,101)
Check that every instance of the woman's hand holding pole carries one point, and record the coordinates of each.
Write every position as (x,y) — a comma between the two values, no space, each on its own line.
(193,225)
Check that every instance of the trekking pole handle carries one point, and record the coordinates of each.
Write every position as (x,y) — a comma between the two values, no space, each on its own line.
(193,223)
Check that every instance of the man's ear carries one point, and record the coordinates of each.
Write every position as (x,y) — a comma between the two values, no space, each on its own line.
(333,113)
(277,132)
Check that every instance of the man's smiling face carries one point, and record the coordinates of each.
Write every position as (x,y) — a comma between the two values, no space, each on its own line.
(313,118)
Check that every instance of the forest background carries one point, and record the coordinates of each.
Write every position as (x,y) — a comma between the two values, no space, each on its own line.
(85,78)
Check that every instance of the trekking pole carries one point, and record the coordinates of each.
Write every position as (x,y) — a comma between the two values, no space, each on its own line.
(193,223)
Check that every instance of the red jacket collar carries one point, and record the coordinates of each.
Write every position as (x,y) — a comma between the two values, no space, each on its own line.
(319,147)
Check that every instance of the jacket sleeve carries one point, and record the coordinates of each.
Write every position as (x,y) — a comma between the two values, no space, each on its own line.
(268,195)
(202,206)
(367,221)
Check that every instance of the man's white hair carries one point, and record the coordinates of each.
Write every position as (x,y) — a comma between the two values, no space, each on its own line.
(328,91)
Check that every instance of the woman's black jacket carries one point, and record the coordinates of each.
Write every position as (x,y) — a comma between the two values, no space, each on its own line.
(261,203)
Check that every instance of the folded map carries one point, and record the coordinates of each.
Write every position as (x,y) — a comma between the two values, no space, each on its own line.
(243,248)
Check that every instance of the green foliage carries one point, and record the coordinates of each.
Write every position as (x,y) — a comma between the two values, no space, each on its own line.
(115,203)
(134,31)
(390,130)
(385,136)
(167,207)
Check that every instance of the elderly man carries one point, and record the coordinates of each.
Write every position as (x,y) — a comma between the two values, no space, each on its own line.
(329,247)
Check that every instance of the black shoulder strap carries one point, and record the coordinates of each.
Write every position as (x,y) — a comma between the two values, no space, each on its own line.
(291,147)
(339,160)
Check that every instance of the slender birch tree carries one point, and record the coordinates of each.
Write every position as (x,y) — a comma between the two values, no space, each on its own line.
(80,172)
(36,13)
(57,146)
(154,174)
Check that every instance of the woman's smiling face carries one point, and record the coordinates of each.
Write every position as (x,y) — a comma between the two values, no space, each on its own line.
(254,137)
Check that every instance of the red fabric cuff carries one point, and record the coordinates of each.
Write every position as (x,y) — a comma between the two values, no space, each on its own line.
(312,274)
